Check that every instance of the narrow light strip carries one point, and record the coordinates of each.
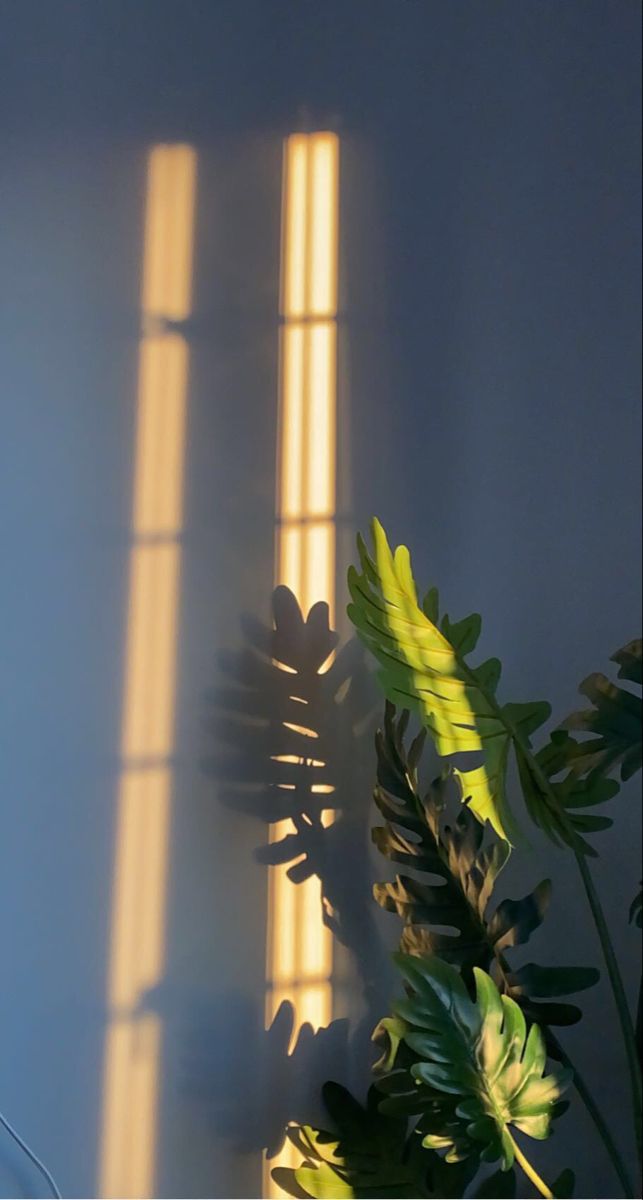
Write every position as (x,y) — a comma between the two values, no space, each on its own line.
(299,946)
(323,205)
(137,943)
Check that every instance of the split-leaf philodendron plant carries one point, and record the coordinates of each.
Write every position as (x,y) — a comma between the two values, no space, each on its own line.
(471,1067)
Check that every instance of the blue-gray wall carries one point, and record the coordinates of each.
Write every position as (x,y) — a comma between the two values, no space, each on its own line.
(490,379)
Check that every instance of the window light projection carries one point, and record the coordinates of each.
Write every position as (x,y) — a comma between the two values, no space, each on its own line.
(306,484)
(299,958)
(133,1039)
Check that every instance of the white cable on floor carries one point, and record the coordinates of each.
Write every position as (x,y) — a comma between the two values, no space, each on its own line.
(30,1154)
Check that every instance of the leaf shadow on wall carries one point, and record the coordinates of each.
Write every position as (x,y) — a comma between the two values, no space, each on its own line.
(293,719)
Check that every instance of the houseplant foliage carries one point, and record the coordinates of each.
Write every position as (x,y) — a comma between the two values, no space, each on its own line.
(471,1066)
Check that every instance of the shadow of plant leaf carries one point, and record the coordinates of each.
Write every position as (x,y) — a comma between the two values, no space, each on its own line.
(292,719)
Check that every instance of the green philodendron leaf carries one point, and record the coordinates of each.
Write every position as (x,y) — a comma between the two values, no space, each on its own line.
(423,668)
(413,838)
(478,1059)
(324,1181)
(615,719)
(448,915)
(630,661)
(575,773)
(552,981)
(389,1032)
(559,808)
(369,1155)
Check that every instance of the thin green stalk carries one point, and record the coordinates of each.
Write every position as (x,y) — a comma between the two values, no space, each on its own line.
(611,962)
(530,1171)
(593,1111)
(627,1028)
(639,1022)
(522,748)
(580,1085)
(584,1094)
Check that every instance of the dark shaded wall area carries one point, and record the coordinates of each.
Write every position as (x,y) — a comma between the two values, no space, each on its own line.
(489,383)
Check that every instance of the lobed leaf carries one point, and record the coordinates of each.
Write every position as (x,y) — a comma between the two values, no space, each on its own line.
(447,915)
(423,668)
(369,1155)
(479,1052)
(615,719)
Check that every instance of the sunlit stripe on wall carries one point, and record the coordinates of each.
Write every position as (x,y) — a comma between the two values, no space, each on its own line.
(137,942)
(299,946)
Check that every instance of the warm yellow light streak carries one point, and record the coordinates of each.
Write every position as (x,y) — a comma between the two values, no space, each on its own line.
(139,868)
(320,425)
(148,707)
(158,499)
(289,558)
(323,176)
(137,944)
(169,223)
(315,953)
(281,933)
(296,213)
(318,582)
(292,420)
(299,951)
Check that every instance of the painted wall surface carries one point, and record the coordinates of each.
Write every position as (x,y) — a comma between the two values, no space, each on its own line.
(489,413)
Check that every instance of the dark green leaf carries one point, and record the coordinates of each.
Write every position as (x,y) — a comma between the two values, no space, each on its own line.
(557,806)
(369,1156)
(515,920)
(447,916)
(615,722)
(630,660)
(463,635)
(615,719)
(481,1054)
(552,981)
(545,1013)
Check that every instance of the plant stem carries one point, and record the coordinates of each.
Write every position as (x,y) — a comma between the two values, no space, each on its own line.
(618,990)
(557,1050)
(530,1172)
(580,1085)
(639,1022)
(522,747)
(593,1110)
(611,962)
